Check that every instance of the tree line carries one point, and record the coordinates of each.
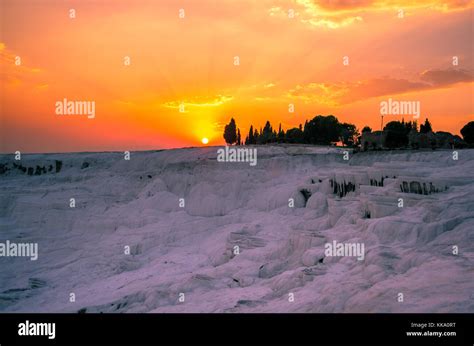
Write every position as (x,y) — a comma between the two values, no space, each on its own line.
(326,130)
(322,130)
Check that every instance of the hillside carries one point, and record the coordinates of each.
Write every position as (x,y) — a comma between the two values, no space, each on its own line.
(281,249)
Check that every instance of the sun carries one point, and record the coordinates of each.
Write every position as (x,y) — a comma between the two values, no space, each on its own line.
(205,140)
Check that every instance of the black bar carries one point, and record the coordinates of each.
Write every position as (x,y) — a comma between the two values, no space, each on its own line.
(220,329)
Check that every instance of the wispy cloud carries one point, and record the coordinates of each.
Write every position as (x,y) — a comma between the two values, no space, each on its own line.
(334,14)
(446,77)
(335,94)
(12,74)
(199,102)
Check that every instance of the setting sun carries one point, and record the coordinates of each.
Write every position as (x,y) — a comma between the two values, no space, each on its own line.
(205,140)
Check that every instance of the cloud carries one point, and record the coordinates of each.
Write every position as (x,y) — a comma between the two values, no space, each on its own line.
(331,23)
(12,74)
(334,14)
(379,87)
(377,5)
(446,77)
(321,93)
(199,102)
(311,14)
(343,4)
(336,94)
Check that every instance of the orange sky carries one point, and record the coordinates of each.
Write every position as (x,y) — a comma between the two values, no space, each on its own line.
(190,61)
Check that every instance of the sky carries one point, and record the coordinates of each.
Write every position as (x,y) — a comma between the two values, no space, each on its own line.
(166,74)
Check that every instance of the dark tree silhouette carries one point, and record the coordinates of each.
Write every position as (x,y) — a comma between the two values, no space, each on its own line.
(397,135)
(250,138)
(267,133)
(255,136)
(322,130)
(468,132)
(348,134)
(425,128)
(366,129)
(280,135)
(294,135)
(410,125)
(230,132)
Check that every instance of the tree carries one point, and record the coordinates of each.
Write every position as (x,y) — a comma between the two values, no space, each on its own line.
(426,127)
(294,135)
(267,133)
(230,132)
(348,134)
(410,125)
(366,129)
(238,137)
(322,130)
(256,138)
(468,132)
(280,135)
(250,139)
(396,135)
